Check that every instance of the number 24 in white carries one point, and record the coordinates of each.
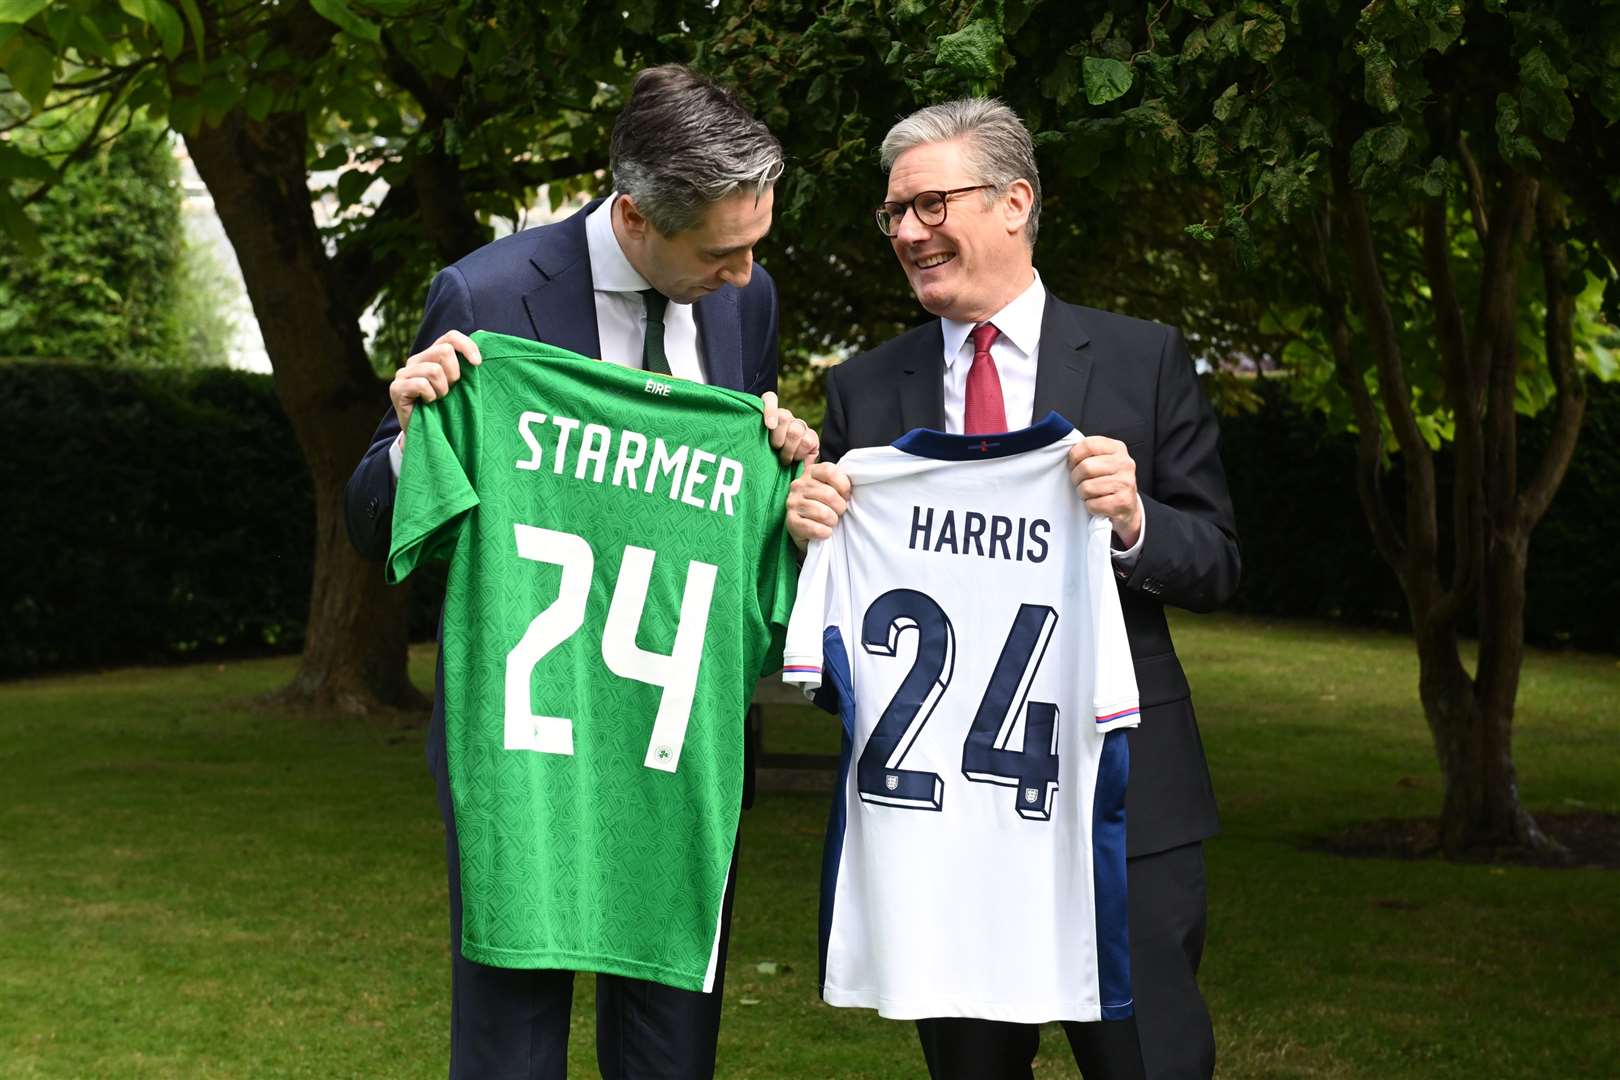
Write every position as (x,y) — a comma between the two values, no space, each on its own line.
(676,672)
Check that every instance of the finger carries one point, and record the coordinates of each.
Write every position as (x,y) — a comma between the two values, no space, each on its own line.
(439,379)
(1102,444)
(463,344)
(769,398)
(836,478)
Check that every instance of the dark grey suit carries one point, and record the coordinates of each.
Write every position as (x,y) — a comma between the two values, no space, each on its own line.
(1132,380)
(537,284)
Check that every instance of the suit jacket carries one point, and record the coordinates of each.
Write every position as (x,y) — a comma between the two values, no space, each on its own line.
(1132,380)
(537,284)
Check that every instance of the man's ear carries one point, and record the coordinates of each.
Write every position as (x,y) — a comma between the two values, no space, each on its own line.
(1016,204)
(636,225)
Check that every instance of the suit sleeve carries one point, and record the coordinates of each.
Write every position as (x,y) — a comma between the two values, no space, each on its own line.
(368,499)
(834,426)
(1189,554)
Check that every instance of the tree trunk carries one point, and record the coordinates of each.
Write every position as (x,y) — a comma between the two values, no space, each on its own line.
(354,650)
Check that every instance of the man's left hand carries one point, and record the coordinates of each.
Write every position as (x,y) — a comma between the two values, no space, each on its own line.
(1105,476)
(791,437)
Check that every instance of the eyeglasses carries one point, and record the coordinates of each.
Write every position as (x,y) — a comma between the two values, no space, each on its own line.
(929,206)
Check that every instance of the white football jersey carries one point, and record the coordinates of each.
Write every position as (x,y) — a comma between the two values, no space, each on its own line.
(966,613)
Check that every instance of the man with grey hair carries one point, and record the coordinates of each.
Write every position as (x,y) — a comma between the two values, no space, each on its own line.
(658,275)
(961,215)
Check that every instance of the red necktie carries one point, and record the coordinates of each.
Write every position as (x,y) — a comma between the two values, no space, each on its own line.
(982,409)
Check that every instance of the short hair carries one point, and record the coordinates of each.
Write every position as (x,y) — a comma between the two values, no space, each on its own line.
(682,142)
(996,144)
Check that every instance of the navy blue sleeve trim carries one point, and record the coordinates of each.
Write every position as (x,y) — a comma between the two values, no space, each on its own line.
(925,442)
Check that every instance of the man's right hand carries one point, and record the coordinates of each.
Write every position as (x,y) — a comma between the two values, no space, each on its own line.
(429,375)
(816,500)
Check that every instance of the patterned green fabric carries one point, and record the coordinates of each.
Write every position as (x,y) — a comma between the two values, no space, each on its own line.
(619,578)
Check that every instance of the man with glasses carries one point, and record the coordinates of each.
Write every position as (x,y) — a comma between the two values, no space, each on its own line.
(659,275)
(961,215)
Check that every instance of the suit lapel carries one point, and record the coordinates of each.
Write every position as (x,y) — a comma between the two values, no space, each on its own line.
(562,307)
(1065,363)
(922,382)
(719,325)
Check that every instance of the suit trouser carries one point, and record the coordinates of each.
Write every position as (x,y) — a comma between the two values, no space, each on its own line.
(512,1024)
(1170,1036)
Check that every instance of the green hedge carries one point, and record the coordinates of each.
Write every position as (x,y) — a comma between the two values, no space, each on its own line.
(151,516)
(1307,549)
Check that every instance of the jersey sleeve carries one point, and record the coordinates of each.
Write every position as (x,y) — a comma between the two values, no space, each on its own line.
(434,493)
(780,578)
(1115,696)
(801,657)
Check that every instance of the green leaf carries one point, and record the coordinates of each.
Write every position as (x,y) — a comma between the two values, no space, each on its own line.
(1388,143)
(1380,77)
(1514,146)
(16,224)
(1263,38)
(1061,81)
(194,20)
(16,165)
(185,114)
(1545,102)
(1434,178)
(1105,79)
(974,50)
(352,185)
(20,11)
(335,156)
(1228,105)
(32,69)
(160,17)
(1195,7)
(258,101)
(339,12)
(1206,151)
(1099,33)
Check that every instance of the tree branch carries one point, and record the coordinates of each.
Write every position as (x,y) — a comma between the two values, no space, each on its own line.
(1467,513)
(1369,430)
(1569,406)
(1476,189)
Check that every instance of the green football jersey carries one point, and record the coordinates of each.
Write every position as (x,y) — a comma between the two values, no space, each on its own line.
(620,576)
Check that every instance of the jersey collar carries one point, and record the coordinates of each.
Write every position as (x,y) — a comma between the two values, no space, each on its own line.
(926,442)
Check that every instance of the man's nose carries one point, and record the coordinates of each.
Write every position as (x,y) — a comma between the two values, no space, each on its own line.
(910,229)
(738,270)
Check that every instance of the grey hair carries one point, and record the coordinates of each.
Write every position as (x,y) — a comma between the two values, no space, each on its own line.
(994,140)
(682,142)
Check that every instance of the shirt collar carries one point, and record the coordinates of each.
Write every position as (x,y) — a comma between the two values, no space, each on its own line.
(610,270)
(1019,322)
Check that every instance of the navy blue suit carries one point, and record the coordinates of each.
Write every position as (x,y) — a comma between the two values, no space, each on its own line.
(507,1023)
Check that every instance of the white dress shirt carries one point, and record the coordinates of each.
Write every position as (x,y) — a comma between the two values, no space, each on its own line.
(621,313)
(1016,351)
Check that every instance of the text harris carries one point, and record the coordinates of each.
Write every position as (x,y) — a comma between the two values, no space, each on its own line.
(968,532)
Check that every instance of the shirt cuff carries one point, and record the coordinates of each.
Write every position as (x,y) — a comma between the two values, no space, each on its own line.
(396,453)
(1125,560)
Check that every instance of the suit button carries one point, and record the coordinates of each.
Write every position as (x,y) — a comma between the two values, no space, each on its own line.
(372,506)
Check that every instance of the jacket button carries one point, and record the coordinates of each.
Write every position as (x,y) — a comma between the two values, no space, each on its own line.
(372,506)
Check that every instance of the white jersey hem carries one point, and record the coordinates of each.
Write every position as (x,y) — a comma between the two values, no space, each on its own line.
(920,1009)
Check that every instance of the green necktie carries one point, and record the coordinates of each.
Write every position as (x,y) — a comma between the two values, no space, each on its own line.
(652,349)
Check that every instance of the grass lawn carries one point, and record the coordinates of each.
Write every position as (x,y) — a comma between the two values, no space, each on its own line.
(195,886)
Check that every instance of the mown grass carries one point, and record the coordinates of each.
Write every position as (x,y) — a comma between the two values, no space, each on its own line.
(192,885)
